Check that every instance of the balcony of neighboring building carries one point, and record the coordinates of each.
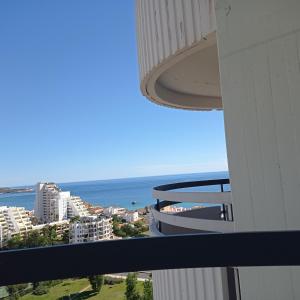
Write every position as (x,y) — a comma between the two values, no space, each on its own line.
(178,54)
(197,207)
(208,210)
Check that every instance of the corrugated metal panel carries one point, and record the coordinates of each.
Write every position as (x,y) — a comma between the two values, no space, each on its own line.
(165,27)
(189,284)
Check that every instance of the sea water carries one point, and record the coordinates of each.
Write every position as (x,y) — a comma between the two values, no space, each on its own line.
(117,192)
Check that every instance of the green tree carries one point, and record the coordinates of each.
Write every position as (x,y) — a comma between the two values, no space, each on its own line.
(49,233)
(148,290)
(131,292)
(139,224)
(35,239)
(96,282)
(41,288)
(15,290)
(15,242)
(65,237)
(74,219)
(130,230)
(53,234)
(116,219)
(35,285)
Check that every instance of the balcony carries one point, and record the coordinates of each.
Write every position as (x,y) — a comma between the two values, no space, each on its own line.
(178,55)
(214,215)
(212,212)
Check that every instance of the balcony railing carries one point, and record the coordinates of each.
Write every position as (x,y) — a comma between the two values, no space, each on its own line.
(217,217)
(105,257)
(280,248)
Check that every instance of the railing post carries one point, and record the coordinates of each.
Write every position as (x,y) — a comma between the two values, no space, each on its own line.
(231,213)
(222,187)
(158,209)
(159,226)
(228,215)
(157,205)
(224,207)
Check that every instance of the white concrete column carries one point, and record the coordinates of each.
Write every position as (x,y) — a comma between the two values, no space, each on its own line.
(259,42)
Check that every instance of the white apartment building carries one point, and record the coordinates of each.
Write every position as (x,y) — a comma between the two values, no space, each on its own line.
(13,220)
(90,229)
(50,203)
(53,205)
(131,216)
(241,56)
(60,227)
(76,207)
(111,210)
(16,220)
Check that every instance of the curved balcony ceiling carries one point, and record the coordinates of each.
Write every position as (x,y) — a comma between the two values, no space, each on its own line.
(191,83)
(178,53)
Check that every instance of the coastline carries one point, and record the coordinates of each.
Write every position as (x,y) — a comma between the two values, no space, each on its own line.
(7,190)
(107,193)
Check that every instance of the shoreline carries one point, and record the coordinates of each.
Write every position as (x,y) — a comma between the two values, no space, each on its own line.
(7,190)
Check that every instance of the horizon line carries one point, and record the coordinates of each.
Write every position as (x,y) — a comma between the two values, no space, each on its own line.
(118,178)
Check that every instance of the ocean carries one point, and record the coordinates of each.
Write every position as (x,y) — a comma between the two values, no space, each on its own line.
(116,192)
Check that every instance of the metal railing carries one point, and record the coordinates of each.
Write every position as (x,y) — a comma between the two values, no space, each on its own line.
(280,248)
(167,195)
(106,257)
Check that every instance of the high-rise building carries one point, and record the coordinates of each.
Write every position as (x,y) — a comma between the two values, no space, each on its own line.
(53,205)
(50,203)
(91,229)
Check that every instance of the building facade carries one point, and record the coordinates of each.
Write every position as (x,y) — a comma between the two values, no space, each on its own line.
(52,204)
(76,207)
(111,210)
(60,227)
(243,57)
(131,216)
(16,221)
(90,229)
(13,221)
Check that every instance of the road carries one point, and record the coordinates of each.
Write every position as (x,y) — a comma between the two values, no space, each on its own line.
(141,276)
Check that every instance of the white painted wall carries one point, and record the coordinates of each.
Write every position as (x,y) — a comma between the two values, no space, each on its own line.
(165,27)
(259,42)
(62,204)
(177,53)
(38,204)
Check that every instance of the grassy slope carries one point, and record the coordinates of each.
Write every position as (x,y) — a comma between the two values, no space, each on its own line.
(114,292)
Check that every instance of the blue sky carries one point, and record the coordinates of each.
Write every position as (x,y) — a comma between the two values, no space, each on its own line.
(71,107)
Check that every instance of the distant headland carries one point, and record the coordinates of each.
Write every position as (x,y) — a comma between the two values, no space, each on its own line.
(6,190)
